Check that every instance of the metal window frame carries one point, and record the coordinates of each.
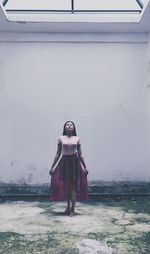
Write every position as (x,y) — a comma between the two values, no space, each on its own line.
(72,10)
(139,2)
(4,2)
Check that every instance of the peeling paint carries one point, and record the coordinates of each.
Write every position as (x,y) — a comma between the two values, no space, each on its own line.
(31,166)
(13,163)
(148,85)
(30,178)
(21,180)
(1,75)
(1,165)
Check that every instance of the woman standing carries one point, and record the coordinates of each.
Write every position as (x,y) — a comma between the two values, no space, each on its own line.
(69,178)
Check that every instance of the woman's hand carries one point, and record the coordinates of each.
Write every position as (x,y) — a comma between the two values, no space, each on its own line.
(51,171)
(86,171)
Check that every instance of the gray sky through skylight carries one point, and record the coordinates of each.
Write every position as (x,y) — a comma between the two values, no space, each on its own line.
(107,4)
(39,4)
(78,5)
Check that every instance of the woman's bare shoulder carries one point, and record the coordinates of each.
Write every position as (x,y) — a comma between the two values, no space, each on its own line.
(78,139)
(60,139)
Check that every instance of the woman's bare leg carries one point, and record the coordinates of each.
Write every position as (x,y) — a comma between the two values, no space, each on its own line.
(68,203)
(73,200)
(67,211)
(68,200)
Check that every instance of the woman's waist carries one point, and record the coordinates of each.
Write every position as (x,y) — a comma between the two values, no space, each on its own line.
(72,154)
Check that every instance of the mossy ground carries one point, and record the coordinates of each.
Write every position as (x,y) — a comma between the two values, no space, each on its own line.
(57,233)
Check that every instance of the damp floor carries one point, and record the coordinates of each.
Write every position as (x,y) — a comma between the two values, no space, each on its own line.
(103,226)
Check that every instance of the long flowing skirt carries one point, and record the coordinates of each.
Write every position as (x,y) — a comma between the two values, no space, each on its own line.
(68,172)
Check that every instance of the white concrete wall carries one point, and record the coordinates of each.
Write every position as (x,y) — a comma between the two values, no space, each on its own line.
(101,86)
(148,87)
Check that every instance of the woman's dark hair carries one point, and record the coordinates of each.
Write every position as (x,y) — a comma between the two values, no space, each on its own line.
(74,131)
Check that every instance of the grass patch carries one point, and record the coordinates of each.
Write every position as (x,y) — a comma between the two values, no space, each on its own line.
(11,242)
(138,205)
(131,244)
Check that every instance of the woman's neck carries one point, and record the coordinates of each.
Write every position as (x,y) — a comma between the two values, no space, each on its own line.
(69,135)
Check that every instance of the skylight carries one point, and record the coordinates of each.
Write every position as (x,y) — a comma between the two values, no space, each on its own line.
(73,6)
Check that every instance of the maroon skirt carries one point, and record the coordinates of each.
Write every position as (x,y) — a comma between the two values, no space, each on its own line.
(68,172)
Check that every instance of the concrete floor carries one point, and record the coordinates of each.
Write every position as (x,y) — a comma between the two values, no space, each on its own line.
(100,227)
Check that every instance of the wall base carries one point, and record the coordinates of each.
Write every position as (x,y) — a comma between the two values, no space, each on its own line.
(95,189)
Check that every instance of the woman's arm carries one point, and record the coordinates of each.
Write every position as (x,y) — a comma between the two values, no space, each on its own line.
(56,158)
(81,157)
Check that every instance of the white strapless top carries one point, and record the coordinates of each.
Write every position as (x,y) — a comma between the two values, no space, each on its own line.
(69,144)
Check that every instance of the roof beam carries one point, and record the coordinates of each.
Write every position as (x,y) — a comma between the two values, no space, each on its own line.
(3,14)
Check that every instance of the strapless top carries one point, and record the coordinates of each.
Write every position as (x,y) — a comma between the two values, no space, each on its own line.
(69,144)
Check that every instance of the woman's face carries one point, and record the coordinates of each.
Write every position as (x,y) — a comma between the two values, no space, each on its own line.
(69,127)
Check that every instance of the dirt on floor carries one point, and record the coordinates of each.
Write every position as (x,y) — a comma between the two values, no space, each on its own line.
(107,226)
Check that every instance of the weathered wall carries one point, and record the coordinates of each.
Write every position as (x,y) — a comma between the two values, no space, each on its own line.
(100,85)
(148,89)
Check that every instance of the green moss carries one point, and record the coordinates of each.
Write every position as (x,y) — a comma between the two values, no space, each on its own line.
(11,242)
(140,220)
(52,242)
(99,236)
(141,243)
(130,243)
(138,205)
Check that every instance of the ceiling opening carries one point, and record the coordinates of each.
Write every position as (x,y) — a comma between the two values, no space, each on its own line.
(73,6)
(104,11)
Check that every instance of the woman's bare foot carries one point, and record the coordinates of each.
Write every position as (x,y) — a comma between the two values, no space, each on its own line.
(72,213)
(67,211)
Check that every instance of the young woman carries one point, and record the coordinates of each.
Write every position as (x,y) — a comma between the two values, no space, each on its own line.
(69,178)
